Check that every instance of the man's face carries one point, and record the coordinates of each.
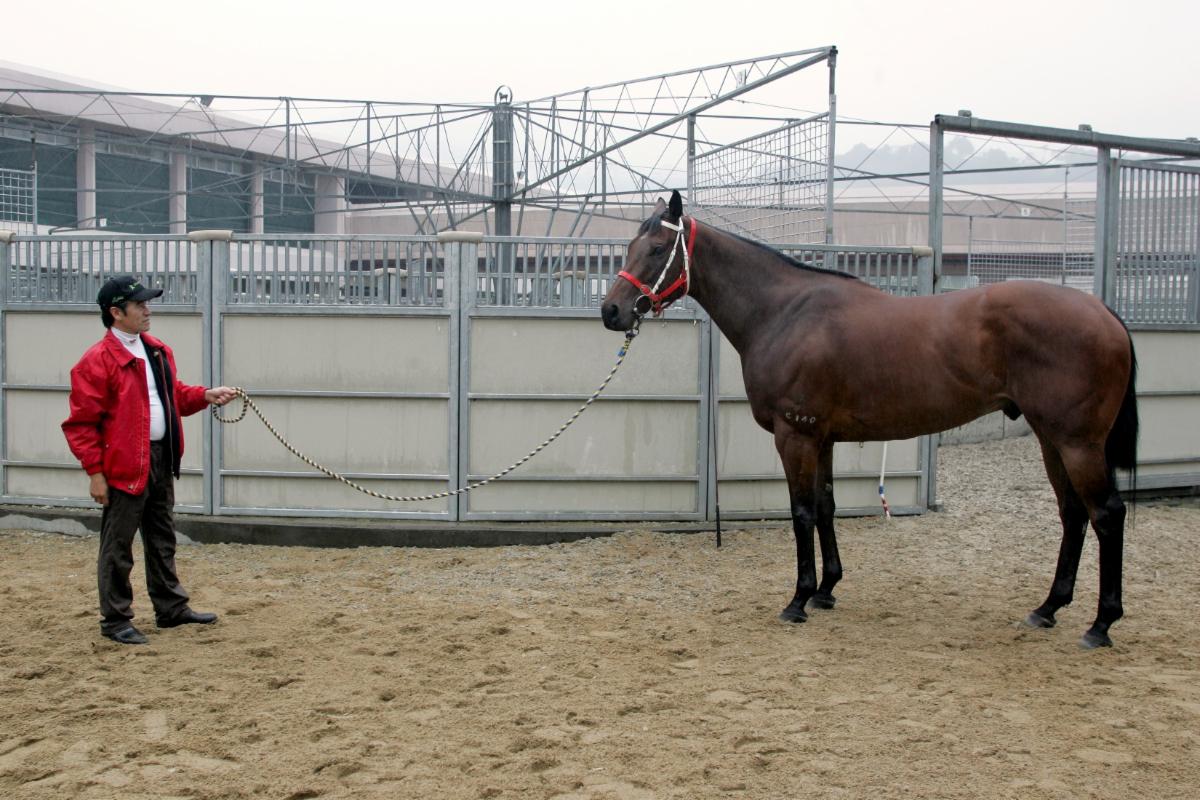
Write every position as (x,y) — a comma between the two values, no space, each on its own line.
(134,318)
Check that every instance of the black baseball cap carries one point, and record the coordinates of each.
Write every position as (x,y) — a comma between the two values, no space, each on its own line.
(124,288)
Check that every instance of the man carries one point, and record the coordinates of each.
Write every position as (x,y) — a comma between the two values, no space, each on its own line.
(126,430)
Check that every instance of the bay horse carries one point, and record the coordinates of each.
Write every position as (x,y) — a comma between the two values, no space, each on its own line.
(828,358)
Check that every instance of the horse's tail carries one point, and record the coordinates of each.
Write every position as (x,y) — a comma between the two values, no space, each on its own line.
(1120,450)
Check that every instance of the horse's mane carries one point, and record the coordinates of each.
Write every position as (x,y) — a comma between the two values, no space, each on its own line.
(653,224)
(789,260)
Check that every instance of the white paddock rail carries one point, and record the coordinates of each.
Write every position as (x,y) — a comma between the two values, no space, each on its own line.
(416,365)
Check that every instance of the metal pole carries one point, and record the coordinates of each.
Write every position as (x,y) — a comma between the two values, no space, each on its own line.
(458,356)
(502,177)
(831,147)
(936,167)
(1066,231)
(1107,200)
(970,245)
(210,323)
(461,255)
(6,248)
(212,272)
(502,162)
(35,201)
(691,157)
(929,446)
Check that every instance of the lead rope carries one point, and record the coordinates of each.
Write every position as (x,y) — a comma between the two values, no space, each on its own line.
(247,403)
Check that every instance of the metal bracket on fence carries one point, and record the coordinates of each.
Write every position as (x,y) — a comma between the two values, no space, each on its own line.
(210,236)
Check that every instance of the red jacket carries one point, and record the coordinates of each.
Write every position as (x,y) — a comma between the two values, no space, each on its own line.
(109,427)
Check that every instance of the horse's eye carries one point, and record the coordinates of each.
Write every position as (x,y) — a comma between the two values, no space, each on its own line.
(657,251)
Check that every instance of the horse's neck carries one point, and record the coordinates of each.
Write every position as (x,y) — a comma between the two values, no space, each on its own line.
(740,285)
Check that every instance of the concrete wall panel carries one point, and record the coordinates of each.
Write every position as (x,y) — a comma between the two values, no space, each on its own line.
(73,485)
(320,493)
(611,438)
(337,353)
(374,435)
(543,355)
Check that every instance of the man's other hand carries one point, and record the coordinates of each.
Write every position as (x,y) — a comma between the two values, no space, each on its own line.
(99,488)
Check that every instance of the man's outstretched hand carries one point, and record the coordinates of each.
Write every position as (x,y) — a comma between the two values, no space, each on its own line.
(219,395)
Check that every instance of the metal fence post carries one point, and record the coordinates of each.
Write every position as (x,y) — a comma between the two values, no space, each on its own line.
(691,158)
(710,415)
(461,254)
(6,238)
(929,268)
(927,284)
(936,166)
(1107,219)
(212,271)
(830,156)
(927,278)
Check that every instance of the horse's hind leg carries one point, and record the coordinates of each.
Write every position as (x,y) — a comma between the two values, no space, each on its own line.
(1074,522)
(1093,482)
(831,562)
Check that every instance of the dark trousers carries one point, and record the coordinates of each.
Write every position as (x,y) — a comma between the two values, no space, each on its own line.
(153,512)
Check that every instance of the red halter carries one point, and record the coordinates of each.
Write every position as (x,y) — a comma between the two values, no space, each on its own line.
(660,300)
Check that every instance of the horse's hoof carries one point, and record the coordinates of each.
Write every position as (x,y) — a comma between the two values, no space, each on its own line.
(825,601)
(1036,620)
(1091,640)
(793,614)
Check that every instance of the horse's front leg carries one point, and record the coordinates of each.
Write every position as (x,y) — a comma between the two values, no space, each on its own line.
(831,562)
(800,455)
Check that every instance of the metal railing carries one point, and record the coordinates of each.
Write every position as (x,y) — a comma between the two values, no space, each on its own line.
(1157,275)
(336,270)
(896,270)
(547,273)
(71,268)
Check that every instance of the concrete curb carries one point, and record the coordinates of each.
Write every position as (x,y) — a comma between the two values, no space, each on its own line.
(354,532)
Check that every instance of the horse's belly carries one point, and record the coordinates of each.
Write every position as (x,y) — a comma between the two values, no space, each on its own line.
(895,417)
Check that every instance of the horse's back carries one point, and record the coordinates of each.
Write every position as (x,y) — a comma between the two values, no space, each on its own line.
(1046,319)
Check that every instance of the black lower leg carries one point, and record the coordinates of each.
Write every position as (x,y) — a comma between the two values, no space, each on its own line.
(831,562)
(1110,531)
(806,572)
(1074,522)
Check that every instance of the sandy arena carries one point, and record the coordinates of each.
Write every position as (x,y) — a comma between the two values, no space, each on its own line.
(644,665)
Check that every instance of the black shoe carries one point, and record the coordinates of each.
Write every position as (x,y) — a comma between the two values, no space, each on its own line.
(127,635)
(187,617)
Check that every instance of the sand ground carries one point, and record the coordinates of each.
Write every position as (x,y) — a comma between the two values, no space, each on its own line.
(644,665)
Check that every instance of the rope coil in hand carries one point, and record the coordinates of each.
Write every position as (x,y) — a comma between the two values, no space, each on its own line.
(247,403)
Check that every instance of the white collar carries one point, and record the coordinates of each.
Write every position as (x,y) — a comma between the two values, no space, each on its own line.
(128,339)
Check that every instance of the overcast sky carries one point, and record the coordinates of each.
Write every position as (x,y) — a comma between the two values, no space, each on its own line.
(1130,68)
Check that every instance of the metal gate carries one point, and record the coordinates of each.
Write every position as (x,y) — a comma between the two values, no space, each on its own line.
(1157,271)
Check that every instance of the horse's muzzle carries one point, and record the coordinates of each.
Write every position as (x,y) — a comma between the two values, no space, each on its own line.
(611,314)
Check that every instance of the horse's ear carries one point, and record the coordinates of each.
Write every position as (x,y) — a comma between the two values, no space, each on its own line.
(660,208)
(676,207)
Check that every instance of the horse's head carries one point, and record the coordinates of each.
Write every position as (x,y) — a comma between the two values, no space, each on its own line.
(656,272)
